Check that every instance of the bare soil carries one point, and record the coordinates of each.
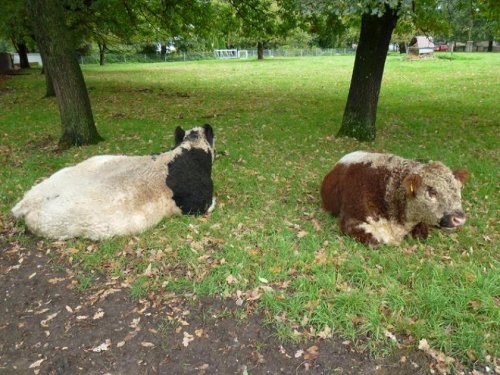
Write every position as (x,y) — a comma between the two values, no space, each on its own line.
(48,326)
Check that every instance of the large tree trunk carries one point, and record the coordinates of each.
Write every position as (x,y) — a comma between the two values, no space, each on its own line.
(260,50)
(56,46)
(361,108)
(102,49)
(22,50)
(490,45)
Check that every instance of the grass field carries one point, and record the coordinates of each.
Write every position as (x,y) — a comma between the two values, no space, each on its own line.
(268,240)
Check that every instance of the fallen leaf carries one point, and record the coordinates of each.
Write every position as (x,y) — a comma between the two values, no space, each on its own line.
(147,271)
(147,344)
(423,345)
(103,347)
(231,279)
(45,323)
(312,353)
(302,234)
(69,309)
(82,317)
(316,224)
(37,363)
(199,332)
(187,339)
(120,344)
(98,315)
(325,333)
(390,335)
(135,322)
(298,353)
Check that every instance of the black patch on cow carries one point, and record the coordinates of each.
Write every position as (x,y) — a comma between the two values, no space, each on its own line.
(209,134)
(190,178)
(178,136)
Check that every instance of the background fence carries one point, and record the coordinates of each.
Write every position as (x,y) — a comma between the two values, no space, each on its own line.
(193,56)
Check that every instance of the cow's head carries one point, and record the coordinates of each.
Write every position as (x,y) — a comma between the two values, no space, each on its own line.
(198,137)
(434,195)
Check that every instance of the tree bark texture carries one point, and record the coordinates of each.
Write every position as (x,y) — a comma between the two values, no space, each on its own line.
(22,50)
(260,50)
(361,108)
(56,46)
(49,85)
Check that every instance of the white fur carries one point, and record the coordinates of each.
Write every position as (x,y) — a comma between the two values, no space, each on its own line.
(104,196)
(354,157)
(385,231)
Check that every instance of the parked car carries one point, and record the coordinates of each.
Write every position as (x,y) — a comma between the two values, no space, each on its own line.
(442,47)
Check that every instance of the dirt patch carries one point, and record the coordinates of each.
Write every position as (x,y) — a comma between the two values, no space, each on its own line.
(50,327)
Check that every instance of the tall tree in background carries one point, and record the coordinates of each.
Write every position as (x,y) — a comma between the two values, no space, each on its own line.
(15,26)
(263,19)
(361,108)
(57,48)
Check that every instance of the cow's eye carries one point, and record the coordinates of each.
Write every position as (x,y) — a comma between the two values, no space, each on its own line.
(431,193)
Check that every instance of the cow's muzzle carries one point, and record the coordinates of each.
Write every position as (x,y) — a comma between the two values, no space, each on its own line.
(453,220)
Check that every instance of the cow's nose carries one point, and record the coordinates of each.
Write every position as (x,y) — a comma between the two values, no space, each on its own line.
(458,220)
(455,219)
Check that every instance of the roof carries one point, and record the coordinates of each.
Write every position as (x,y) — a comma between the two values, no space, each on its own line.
(422,41)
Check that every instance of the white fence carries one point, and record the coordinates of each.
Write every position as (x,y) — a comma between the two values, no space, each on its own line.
(191,56)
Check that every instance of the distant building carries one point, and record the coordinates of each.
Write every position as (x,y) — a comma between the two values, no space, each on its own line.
(421,46)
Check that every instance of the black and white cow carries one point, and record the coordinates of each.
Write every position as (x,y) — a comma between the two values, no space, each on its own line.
(115,195)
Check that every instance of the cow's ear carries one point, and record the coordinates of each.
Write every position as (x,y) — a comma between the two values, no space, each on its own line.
(209,133)
(411,184)
(461,175)
(179,135)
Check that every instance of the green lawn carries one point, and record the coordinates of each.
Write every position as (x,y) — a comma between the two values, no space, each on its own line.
(268,240)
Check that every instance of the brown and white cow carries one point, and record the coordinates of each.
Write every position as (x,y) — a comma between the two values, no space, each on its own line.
(380,198)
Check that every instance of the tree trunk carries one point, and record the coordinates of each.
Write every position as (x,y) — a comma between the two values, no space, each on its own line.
(361,108)
(22,50)
(56,46)
(490,45)
(102,48)
(163,50)
(49,85)
(260,50)
(402,47)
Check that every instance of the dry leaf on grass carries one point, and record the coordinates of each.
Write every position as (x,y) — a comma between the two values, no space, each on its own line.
(231,279)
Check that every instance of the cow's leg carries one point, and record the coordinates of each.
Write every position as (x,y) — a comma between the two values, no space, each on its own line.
(420,230)
(354,228)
